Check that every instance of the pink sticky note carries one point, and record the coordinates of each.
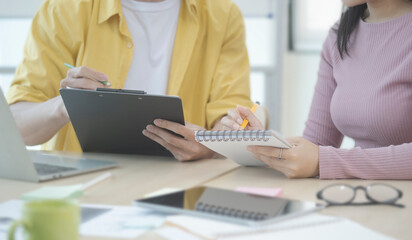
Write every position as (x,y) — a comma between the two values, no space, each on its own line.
(267,192)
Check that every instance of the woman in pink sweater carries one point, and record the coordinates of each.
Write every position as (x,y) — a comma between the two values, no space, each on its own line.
(364,91)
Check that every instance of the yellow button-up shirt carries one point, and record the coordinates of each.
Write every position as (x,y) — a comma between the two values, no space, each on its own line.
(209,69)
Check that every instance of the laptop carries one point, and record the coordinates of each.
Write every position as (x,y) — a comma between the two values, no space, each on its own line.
(17,163)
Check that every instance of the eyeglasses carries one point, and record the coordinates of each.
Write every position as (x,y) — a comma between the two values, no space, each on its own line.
(343,194)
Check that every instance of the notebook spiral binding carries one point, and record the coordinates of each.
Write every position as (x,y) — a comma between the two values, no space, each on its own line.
(234,135)
(225,211)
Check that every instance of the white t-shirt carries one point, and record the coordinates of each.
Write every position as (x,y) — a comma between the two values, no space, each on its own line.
(153,28)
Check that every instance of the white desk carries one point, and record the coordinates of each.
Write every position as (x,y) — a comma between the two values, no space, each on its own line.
(137,176)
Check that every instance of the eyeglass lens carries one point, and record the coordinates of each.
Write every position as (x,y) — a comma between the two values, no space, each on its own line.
(338,194)
(382,193)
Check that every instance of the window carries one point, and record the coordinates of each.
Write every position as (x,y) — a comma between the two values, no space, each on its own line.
(311,21)
(12,39)
(261,49)
(15,20)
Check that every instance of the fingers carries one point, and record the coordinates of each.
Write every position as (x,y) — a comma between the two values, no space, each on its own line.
(86,72)
(82,83)
(235,117)
(168,137)
(176,128)
(175,151)
(85,78)
(229,124)
(288,164)
(182,149)
(232,121)
(246,113)
(234,114)
(282,165)
(270,151)
(299,161)
(271,162)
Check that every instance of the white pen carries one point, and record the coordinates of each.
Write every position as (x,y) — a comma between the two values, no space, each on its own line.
(96,180)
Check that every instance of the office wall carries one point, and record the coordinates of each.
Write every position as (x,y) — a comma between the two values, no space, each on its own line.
(19,8)
(266,38)
(299,79)
(311,20)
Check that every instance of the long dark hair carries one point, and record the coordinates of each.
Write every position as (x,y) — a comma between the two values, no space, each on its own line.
(348,22)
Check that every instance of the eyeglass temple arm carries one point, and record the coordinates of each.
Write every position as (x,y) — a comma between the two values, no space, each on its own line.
(365,204)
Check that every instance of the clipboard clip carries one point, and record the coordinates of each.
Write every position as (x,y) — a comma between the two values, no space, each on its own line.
(120,91)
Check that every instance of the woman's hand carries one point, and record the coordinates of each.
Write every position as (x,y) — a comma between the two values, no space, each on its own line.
(235,117)
(300,161)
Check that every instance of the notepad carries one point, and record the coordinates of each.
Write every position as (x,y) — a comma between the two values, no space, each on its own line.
(232,144)
(267,192)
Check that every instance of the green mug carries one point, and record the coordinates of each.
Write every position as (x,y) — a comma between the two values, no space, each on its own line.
(48,220)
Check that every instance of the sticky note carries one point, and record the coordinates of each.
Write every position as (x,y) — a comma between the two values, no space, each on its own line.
(54,193)
(267,192)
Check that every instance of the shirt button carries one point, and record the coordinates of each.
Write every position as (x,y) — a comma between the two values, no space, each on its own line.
(129,45)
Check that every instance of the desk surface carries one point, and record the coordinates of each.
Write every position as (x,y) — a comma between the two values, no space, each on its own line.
(136,176)
(391,221)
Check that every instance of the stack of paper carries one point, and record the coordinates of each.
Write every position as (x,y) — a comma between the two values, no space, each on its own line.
(313,226)
(120,222)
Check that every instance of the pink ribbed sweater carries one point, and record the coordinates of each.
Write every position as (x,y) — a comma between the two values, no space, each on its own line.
(368,97)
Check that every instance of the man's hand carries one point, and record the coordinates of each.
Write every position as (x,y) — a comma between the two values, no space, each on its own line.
(85,78)
(183,149)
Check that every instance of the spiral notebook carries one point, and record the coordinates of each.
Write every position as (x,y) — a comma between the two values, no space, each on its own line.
(232,144)
(245,206)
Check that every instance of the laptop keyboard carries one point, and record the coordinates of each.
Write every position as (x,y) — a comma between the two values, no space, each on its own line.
(46,169)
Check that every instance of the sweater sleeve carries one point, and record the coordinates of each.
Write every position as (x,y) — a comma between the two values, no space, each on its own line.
(320,128)
(392,162)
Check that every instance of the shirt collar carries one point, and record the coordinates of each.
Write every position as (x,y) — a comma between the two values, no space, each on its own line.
(109,8)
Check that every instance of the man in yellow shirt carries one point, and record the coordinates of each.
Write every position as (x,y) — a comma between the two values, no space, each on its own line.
(208,65)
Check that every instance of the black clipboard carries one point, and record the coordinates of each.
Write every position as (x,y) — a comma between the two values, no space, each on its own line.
(112,120)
